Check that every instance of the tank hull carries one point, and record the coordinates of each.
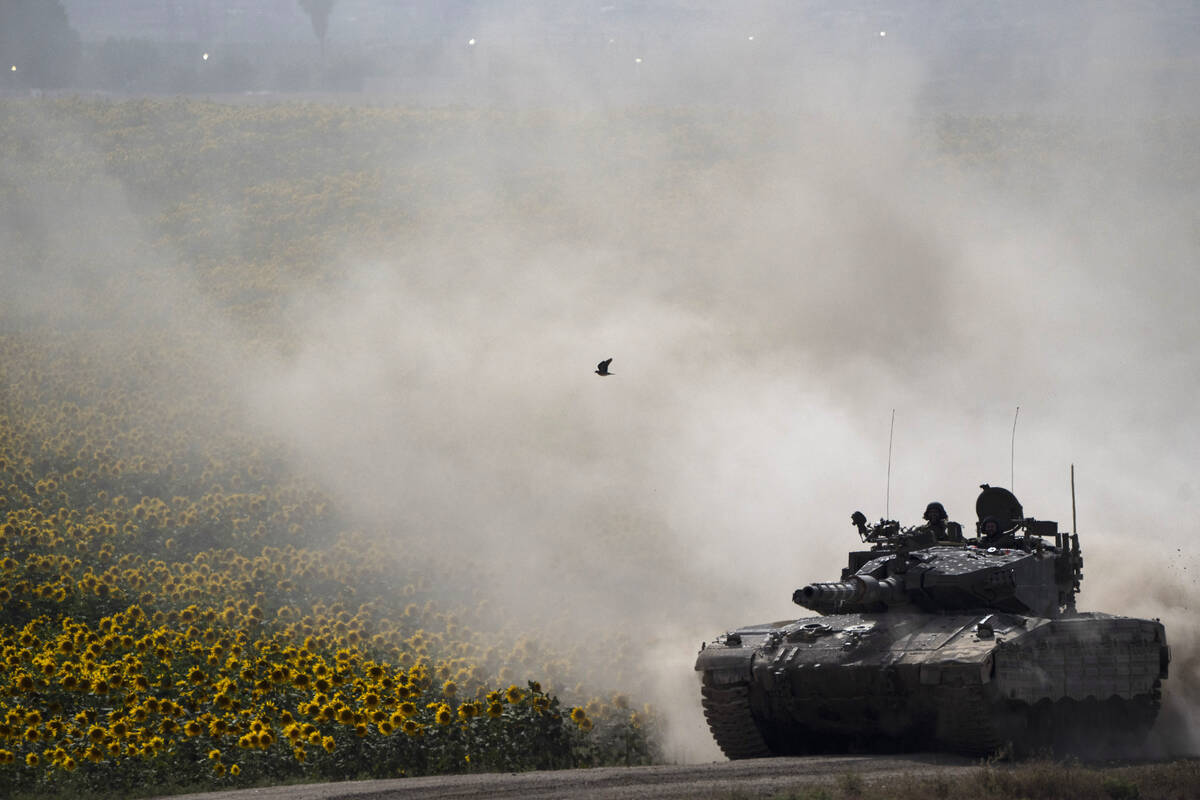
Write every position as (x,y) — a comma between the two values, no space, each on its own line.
(969,683)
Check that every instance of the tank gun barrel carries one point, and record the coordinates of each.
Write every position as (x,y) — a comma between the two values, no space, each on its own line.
(857,591)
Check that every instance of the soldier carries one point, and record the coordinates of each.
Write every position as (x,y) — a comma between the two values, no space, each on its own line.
(993,536)
(937,521)
(935,515)
(989,529)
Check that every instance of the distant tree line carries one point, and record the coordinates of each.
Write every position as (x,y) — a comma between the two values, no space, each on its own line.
(38,47)
(318,12)
(40,50)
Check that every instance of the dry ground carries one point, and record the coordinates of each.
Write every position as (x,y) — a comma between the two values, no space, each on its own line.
(753,778)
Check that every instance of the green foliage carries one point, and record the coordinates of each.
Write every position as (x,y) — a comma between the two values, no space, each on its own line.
(851,785)
(1118,788)
(807,793)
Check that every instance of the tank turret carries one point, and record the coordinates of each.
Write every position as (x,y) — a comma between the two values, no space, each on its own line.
(1015,569)
(1014,563)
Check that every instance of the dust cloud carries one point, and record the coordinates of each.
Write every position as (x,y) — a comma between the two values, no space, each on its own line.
(776,256)
(766,311)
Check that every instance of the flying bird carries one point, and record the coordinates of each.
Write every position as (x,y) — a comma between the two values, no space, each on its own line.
(602,367)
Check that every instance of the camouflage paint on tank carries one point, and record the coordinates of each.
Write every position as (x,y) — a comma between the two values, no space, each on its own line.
(933,642)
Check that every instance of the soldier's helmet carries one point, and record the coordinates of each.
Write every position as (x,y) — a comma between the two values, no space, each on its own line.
(935,512)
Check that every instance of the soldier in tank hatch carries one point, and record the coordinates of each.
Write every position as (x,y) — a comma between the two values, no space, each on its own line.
(1000,513)
(938,522)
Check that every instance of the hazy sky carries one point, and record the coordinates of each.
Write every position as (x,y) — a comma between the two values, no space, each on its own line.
(766,311)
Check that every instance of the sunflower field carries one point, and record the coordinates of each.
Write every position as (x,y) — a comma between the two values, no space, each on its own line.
(180,608)
(183,605)
(170,619)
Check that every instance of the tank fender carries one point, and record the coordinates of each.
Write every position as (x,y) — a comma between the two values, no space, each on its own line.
(725,666)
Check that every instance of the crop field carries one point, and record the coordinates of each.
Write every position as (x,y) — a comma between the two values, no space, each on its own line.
(177,608)
(184,605)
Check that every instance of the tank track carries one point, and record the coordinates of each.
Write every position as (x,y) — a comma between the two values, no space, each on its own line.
(967,723)
(970,721)
(973,724)
(731,720)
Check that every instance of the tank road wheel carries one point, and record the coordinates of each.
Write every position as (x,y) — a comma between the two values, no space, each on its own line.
(1113,728)
(1138,715)
(727,709)
(970,723)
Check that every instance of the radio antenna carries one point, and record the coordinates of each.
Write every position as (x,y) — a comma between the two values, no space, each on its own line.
(1074,522)
(887,503)
(1012,455)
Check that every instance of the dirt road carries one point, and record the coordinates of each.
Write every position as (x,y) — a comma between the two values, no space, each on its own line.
(752,778)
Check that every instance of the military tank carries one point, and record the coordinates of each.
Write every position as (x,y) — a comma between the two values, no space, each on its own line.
(935,640)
